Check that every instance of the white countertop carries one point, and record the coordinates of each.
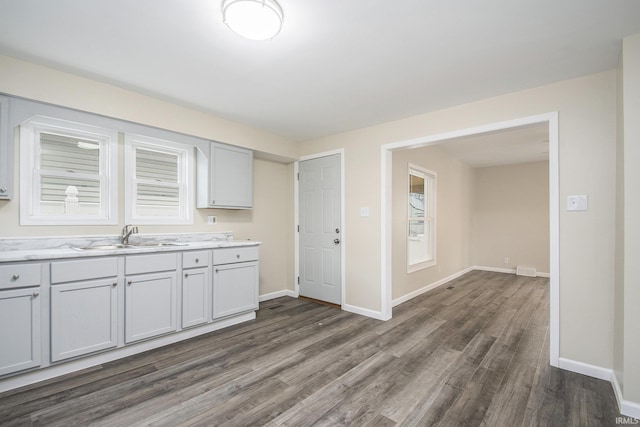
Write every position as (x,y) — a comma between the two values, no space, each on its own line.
(33,249)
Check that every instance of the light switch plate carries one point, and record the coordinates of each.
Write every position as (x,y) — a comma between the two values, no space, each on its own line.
(364,212)
(578,203)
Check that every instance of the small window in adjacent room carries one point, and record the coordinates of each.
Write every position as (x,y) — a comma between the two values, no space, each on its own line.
(158,181)
(421,233)
(68,173)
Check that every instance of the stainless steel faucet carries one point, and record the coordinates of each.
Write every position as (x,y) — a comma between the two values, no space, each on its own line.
(127,231)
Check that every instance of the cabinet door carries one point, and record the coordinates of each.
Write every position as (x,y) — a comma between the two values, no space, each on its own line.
(84,318)
(150,305)
(195,297)
(20,330)
(235,288)
(6,151)
(230,176)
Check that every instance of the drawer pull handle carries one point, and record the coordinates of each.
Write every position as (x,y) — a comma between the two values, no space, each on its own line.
(129,282)
(114,284)
(238,256)
(216,270)
(197,260)
(15,277)
(3,190)
(35,294)
(186,274)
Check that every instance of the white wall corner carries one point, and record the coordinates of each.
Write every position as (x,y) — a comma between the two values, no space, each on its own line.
(365,312)
(585,369)
(627,408)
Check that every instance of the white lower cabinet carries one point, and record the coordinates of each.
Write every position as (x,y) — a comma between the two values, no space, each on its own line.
(196,288)
(150,298)
(20,317)
(84,318)
(84,307)
(235,281)
(88,303)
(235,288)
(20,330)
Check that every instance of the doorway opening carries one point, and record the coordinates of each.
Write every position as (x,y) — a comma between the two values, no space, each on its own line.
(551,119)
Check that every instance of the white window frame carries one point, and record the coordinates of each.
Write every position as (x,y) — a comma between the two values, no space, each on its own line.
(185,179)
(430,180)
(30,209)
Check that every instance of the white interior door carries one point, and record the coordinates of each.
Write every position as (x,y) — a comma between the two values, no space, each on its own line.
(320,229)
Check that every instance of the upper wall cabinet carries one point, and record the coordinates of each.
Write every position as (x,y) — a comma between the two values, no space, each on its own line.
(6,151)
(225,177)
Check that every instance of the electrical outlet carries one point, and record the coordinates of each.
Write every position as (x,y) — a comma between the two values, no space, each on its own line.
(506,260)
(211,220)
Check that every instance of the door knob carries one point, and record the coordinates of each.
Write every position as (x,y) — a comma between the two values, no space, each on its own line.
(337,231)
(336,241)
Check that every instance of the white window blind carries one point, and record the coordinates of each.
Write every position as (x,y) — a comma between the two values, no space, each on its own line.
(65,161)
(67,173)
(157,179)
(157,176)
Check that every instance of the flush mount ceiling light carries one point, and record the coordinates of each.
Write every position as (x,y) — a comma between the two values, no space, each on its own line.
(253,19)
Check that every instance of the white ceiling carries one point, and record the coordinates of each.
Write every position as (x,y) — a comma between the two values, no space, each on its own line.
(337,65)
(509,146)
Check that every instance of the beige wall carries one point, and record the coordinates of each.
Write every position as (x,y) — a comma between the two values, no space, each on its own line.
(587,142)
(511,216)
(453,217)
(271,219)
(628,292)
(618,338)
(483,215)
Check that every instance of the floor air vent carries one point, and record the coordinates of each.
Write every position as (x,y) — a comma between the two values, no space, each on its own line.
(526,271)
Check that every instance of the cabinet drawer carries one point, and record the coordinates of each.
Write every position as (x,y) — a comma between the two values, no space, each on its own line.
(83,269)
(232,255)
(137,264)
(195,259)
(20,275)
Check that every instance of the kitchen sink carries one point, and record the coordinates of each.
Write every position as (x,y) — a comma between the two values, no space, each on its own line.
(156,244)
(101,247)
(128,246)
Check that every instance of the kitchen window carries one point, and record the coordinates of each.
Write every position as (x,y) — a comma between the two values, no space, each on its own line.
(421,223)
(68,173)
(158,181)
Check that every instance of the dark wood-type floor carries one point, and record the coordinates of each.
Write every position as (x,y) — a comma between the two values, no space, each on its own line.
(474,355)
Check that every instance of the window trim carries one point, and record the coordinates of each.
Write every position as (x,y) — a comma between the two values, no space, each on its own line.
(185,172)
(30,212)
(431,181)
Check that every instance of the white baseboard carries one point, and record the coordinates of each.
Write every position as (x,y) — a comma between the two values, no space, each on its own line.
(585,369)
(447,279)
(429,287)
(364,312)
(494,269)
(506,270)
(278,294)
(627,408)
